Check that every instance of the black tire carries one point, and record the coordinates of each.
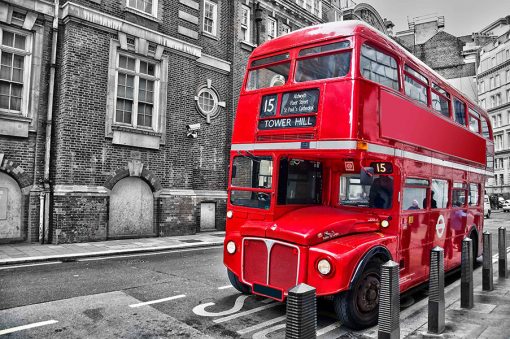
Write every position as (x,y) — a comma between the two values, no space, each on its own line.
(358,308)
(488,215)
(474,241)
(238,285)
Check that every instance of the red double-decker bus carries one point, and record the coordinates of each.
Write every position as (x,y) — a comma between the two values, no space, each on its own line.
(347,151)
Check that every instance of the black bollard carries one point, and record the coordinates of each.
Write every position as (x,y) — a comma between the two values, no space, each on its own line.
(301,313)
(502,262)
(466,275)
(487,273)
(436,322)
(389,302)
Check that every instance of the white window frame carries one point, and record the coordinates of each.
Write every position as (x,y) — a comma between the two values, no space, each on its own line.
(246,26)
(311,6)
(214,27)
(286,29)
(153,12)
(272,27)
(137,74)
(27,62)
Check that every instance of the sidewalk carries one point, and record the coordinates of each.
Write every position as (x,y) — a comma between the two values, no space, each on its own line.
(24,253)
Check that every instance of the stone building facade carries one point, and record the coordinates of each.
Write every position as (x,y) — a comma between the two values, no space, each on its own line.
(493,80)
(116,115)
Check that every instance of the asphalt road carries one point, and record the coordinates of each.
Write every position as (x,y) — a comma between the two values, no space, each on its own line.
(171,295)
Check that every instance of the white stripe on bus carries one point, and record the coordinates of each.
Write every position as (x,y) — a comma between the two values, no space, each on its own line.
(351,145)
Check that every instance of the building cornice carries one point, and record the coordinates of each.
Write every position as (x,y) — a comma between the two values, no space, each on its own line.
(293,8)
(109,22)
(39,6)
(494,69)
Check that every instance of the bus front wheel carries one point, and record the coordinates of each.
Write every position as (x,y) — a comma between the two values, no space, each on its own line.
(358,307)
(238,285)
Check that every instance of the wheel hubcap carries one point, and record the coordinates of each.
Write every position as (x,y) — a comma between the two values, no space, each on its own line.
(368,294)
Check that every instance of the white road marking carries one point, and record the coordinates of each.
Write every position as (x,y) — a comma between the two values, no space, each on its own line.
(158,301)
(238,305)
(148,254)
(263,334)
(225,287)
(261,325)
(26,327)
(29,265)
(241,314)
(329,328)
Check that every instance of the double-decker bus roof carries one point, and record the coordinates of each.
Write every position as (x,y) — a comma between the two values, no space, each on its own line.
(333,30)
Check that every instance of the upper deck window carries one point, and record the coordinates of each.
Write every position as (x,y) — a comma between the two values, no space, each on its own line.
(379,67)
(485,129)
(474,121)
(460,112)
(331,65)
(416,85)
(440,100)
(274,74)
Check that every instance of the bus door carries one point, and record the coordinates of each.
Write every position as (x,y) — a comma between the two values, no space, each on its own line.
(440,230)
(458,218)
(414,246)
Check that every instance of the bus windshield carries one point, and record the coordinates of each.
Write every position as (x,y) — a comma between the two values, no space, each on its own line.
(252,175)
(299,182)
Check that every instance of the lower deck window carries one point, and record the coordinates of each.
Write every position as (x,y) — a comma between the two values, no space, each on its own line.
(300,182)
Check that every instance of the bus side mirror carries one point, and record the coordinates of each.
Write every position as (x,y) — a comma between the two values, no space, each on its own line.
(366,176)
(234,171)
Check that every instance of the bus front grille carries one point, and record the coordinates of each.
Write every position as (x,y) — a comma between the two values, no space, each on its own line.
(270,262)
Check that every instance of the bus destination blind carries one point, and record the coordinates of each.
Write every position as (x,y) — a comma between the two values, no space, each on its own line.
(287,123)
(302,102)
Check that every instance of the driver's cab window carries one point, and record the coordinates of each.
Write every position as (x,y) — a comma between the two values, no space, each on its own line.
(378,194)
(299,182)
(251,181)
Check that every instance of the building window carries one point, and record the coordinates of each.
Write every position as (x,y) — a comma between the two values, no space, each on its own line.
(508,76)
(493,101)
(210,17)
(285,29)
(482,86)
(500,120)
(508,95)
(272,28)
(245,23)
(491,83)
(207,101)
(146,6)
(498,80)
(137,88)
(312,6)
(498,142)
(501,180)
(15,63)
(482,103)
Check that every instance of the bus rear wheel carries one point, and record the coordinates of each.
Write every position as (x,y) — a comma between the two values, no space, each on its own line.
(358,307)
(238,285)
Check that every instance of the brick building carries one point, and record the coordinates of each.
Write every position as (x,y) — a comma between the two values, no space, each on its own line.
(452,57)
(116,115)
(494,95)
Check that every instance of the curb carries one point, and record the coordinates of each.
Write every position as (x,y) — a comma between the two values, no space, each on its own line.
(70,257)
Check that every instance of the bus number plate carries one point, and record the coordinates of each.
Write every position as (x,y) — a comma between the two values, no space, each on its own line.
(382,167)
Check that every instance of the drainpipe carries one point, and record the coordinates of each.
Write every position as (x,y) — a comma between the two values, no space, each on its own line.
(47,187)
(258,22)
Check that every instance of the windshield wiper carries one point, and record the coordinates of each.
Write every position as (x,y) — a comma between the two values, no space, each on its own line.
(250,155)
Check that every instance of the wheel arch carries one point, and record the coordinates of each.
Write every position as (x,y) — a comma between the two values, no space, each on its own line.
(378,251)
(476,240)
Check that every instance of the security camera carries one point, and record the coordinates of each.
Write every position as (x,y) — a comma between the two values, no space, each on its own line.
(193,127)
(192,130)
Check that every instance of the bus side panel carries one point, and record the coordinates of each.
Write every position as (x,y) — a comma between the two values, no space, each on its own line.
(345,253)
(404,120)
(338,118)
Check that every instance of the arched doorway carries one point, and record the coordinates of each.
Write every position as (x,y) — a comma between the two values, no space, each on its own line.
(131,209)
(10,208)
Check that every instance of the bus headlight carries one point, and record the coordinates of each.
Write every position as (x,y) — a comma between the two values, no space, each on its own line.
(385,223)
(230,214)
(231,247)
(324,267)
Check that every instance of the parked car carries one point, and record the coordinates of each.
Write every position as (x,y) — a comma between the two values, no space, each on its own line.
(486,206)
(506,206)
(501,201)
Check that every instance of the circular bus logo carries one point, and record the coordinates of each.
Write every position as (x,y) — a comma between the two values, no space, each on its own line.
(440,226)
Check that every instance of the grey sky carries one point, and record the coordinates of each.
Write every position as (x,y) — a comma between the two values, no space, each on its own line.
(462,17)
